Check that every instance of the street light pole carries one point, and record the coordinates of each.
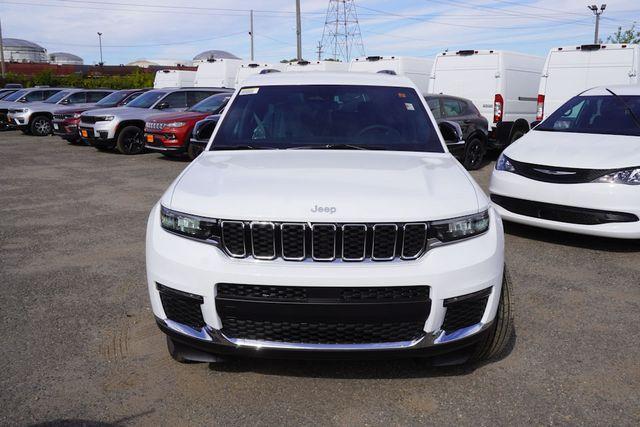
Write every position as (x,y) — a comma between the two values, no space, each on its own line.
(298,32)
(597,12)
(251,32)
(100,41)
(2,70)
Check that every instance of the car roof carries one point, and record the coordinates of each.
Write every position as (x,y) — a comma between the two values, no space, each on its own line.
(327,78)
(444,95)
(617,89)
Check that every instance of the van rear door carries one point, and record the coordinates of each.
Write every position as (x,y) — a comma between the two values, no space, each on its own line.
(471,76)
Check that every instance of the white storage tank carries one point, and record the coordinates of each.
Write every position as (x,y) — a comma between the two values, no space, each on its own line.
(18,50)
(64,58)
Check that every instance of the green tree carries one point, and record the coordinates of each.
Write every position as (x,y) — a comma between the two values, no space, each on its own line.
(630,35)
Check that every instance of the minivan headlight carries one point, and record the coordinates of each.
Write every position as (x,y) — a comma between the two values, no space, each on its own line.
(625,176)
(504,164)
(460,228)
(188,225)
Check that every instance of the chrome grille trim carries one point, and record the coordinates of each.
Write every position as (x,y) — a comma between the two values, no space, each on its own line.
(395,242)
(226,247)
(273,239)
(424,243)
(313,227)
(364,246)
(304,240)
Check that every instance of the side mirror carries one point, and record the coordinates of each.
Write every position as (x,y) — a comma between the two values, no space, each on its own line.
(65,101)
(451,132)
(163,105)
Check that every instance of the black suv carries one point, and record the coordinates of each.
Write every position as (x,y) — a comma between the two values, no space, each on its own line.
(471,150)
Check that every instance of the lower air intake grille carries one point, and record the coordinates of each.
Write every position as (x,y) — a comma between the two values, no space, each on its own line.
(323,315)
(323,333)
(560,213)
(464,311)
(182,307)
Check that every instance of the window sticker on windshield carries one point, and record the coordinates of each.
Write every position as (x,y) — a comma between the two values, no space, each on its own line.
(249,91)
(409,106)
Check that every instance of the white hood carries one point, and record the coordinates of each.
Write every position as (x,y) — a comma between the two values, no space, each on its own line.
(124,113)
(362,186)
(576,150)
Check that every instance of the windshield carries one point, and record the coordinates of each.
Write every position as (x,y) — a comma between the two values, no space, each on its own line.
(211,105)
(147,100)
(15,95)
(322,116)
(5,93)
(54,99)
(113,99)
(602,114)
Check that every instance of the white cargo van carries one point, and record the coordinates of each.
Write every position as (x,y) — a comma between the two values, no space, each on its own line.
(418,70)
(174,78)
(252,68)
(571,70)
(316,66)
(503,86)
(218,73)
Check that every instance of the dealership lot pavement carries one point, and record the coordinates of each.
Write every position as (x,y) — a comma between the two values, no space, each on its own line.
(79,344)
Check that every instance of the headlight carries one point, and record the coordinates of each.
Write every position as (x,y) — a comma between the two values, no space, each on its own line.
(106,118)
(188,225)
(174,124)
(461,227)
(19,110)
(504,164)
(626,176)
(75,116)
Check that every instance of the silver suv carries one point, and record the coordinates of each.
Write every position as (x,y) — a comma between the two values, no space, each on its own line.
(21,97)
(36,117)
(123,127)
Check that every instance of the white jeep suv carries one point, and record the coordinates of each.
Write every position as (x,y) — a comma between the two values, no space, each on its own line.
(326,219)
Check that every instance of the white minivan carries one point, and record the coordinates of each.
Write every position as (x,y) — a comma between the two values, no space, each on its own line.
(503,85)
(218,73)
(418,70)
(571,70)
(174,78)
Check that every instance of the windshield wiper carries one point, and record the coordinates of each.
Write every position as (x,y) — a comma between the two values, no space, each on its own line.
(626,106)
(240,147)
(336,147)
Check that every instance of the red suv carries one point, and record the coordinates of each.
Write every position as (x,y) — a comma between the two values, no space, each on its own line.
(65,121)
(169,133)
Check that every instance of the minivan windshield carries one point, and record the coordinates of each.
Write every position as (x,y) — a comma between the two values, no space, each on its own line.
(211,105)
(601,114)
(328,117)
(54,99)
(147,99)
(113,99)
(15,95)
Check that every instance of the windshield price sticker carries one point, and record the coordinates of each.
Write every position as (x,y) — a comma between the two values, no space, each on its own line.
(249,91)
(409,106)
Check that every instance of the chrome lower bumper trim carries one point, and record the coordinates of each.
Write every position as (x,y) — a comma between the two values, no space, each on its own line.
(429,339)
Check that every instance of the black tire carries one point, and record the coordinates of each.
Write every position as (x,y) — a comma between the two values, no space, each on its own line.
(130,140)
(516,135)
(40,126)
(194,151)
(474,152)
(495,342)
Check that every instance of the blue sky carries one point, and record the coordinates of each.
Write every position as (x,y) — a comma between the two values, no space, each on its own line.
(135,29)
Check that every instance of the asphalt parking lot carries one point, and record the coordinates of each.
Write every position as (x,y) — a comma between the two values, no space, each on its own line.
(79,344)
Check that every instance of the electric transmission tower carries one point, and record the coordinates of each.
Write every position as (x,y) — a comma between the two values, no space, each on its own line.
(341,34)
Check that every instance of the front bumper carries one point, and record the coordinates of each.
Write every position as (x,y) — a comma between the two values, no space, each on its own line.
(19,119)
(66,129)
(94,137)
(449,271)
(590,196)
(155,141)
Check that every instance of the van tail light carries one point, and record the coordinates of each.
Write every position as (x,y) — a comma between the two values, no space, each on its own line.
(540,109)
(498,104)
